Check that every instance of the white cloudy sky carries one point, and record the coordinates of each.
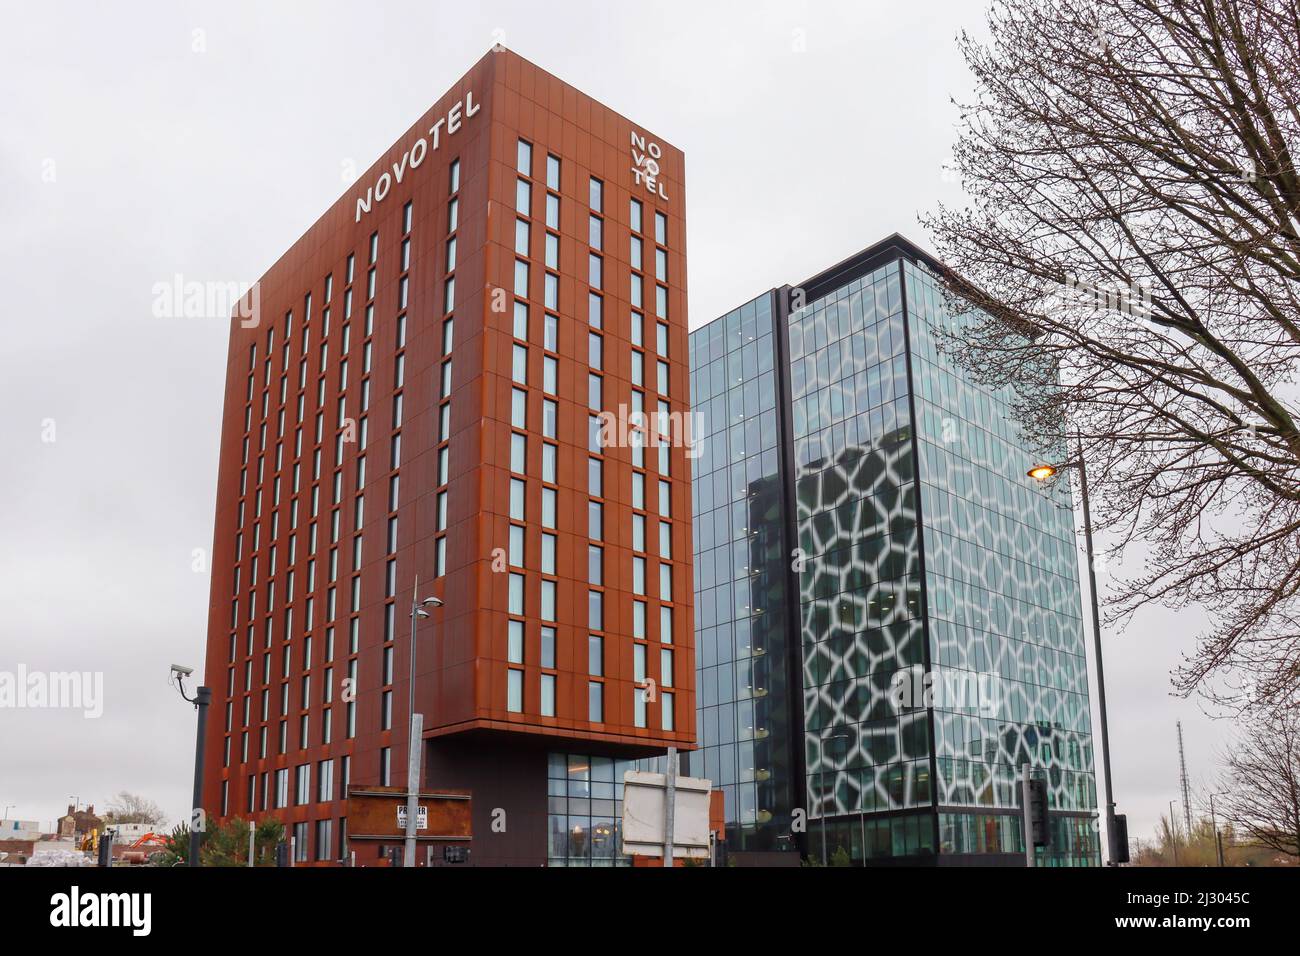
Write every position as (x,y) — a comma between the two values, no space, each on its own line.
(126,156)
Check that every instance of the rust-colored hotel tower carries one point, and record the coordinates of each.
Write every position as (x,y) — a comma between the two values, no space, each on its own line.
(418,392)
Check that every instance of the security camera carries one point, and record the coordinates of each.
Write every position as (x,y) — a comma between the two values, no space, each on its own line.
(181,670)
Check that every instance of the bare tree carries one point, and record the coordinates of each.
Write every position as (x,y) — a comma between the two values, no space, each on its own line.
(1263,799)
(1130,260)
(129,807)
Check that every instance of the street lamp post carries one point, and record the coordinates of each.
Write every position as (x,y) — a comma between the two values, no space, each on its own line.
(413,749)
(1042,473)
(822,787)
(201,700)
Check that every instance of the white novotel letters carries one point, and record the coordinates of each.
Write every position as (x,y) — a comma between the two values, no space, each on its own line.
(413,157)
(645,165)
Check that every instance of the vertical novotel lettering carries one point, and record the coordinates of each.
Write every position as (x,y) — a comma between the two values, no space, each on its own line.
(645,165)
(413,157)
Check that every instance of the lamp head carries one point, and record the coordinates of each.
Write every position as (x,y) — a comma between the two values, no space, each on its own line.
(1041,472)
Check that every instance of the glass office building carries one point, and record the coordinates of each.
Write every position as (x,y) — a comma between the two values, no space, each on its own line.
(742,583)
(887,609)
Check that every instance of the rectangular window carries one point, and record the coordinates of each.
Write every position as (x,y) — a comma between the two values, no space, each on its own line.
(515,691)
(548,647)
(550,417)
(518,453)
(516,499)
(301,843)
(324,839)
(595,702)
(523,197)
(553,173)
(518,408)
(547,611)
(524,158)
(516,556)
(548,695)
(594,191)
(548,508)
(596,656)
(548,554)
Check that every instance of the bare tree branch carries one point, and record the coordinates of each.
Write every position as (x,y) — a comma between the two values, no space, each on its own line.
(1130,263)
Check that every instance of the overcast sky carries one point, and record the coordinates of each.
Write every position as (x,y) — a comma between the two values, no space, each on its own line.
(135,148)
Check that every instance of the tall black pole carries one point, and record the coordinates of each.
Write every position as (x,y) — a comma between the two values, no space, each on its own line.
(414,732)
(1101,678)
(201,701)
(1218,841)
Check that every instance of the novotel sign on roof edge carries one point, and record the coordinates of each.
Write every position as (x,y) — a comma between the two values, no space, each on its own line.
(413,157)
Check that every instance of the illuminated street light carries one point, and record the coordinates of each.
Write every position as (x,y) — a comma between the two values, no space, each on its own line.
(1040,473)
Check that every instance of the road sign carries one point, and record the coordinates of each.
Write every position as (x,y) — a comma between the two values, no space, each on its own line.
(644,805)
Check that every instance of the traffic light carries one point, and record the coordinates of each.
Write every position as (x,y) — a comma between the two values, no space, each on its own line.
(1119,839)
(1040,825)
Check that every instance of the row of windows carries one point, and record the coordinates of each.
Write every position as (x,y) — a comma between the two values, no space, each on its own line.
(596,400)
(348,431)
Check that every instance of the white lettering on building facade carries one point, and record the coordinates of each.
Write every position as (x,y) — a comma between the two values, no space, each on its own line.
(645,165)
(413,157)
